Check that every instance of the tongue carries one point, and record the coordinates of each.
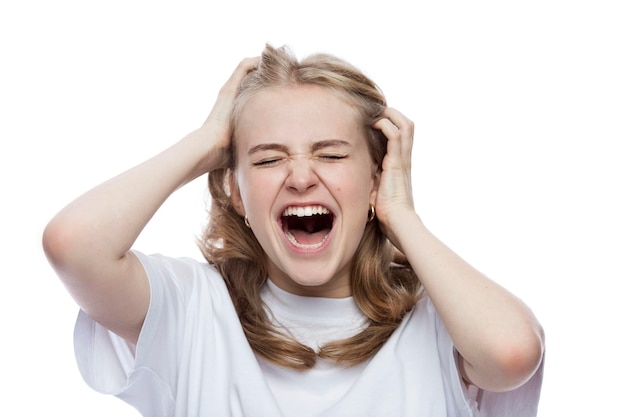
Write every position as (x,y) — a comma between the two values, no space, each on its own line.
(305,238)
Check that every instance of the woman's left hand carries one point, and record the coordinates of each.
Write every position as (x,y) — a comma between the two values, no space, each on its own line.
(394,198)
(499,356)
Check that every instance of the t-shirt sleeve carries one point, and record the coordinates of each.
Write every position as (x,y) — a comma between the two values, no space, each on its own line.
(143,375)
(520,402)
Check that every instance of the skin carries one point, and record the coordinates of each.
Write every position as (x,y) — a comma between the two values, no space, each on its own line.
(298,147)
(499,339)
(88,243)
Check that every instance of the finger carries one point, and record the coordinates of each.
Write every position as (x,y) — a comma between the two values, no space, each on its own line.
(399,132)
(245,66)
(406,127)
(393,135)
(223,105)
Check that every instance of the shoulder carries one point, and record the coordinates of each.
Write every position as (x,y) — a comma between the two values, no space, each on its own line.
(183,275)
(182,266)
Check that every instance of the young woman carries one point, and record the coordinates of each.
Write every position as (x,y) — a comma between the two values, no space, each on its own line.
(323,293)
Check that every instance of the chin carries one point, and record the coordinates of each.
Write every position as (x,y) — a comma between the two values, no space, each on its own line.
(315,284)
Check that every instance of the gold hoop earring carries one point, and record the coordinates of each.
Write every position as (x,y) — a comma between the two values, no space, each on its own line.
(372,213)
(246,221)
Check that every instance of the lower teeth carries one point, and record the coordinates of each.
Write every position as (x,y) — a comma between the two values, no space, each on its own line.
(293,240)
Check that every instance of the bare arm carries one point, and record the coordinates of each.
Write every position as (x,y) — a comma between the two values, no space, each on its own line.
(498,337)
(88,242)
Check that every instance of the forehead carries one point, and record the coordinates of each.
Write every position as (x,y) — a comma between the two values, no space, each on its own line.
(297,113)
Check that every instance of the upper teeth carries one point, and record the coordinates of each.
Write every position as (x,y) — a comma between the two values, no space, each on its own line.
(305,211)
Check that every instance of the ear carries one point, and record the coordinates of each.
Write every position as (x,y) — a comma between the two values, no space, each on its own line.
(235,194)
(376,171)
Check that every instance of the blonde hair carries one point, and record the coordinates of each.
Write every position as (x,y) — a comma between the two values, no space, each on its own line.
(383,285)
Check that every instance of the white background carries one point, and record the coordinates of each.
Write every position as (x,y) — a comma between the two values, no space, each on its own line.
(520,112)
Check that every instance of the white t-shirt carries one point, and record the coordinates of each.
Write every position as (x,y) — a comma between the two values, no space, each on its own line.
(192,359)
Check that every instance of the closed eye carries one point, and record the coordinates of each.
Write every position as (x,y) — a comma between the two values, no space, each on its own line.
(266,162)
(331,157)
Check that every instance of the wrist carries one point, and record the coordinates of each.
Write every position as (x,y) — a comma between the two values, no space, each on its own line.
(207,154)
(402,226)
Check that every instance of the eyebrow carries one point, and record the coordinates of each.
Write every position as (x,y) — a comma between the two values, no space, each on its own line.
(267,147)
(327,143)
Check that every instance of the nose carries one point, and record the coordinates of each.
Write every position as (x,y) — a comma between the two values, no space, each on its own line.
(301,176)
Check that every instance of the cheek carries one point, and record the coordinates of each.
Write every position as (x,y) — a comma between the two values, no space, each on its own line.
(353,184)
(257,187)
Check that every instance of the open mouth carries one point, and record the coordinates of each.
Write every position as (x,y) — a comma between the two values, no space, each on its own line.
(307,227)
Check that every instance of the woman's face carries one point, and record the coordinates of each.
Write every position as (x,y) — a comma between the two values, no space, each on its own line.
(305,179)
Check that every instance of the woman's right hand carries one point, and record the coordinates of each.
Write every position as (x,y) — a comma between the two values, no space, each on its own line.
(88,242)
(217,128)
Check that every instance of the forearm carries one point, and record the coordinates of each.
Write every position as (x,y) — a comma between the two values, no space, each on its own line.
(101,225)
(88,242)
(496,334)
